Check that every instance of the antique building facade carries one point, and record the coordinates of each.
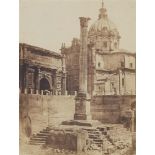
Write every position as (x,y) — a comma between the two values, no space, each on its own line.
(111,70)
(71,55)
(41,70)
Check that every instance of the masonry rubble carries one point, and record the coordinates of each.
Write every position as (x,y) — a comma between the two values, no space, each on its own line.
(109,139)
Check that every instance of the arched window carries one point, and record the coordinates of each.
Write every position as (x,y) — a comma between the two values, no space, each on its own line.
(131,65)
(44,84)
(123,82)
(99,64)
(122,64)
(115,45)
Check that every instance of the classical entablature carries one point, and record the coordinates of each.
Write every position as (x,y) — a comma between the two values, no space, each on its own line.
(41,70)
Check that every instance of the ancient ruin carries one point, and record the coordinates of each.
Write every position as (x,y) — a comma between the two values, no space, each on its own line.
(80,107)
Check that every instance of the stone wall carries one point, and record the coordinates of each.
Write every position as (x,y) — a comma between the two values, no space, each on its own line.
(40,111)
(68,140)
(110,109)
(61,108)
(130,83)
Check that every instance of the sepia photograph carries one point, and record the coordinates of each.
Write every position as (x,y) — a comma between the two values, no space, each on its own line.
(77,77)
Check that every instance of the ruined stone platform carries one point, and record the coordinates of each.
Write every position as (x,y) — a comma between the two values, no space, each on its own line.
(87,123)
(106,138)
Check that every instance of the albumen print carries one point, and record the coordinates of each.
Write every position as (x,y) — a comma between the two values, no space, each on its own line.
(77,77)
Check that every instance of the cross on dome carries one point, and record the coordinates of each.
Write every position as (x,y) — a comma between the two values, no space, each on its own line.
(102,4)
(103,11)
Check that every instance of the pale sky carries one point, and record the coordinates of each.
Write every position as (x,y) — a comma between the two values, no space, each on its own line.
(48,23)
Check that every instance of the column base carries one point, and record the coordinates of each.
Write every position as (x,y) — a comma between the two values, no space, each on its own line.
(86,123)
(82,117)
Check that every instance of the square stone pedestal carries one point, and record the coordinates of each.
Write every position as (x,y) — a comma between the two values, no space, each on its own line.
(82,116)
(82,123)
(82,107)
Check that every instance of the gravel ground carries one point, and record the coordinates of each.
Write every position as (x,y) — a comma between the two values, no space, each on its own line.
(26,149)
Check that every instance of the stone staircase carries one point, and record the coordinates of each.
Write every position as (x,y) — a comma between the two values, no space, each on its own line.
(117,139)
(95,136)
(111,139)
(40,138)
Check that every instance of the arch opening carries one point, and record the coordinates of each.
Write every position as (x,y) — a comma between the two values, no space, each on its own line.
(44,85)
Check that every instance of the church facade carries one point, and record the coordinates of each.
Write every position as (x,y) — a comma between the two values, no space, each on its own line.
(111,70)
(41,70)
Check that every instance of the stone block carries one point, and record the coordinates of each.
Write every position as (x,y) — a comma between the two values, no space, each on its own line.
(37,91)
(25,91)
(75,93)
(66,92)
(81,141)
(42,92)
(31,91)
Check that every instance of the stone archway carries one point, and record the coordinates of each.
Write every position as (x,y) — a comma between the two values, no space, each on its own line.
(45,85)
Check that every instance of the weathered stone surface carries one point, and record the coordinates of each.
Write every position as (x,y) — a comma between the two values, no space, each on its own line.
(45,110)
(111,109)
(82,101)
(86,140)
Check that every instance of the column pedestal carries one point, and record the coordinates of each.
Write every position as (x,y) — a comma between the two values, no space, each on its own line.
(82,107)
(82,116)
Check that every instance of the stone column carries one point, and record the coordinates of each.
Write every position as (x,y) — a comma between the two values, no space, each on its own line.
(37,78)
(63,84)
(93,71)
(132,120)
(55,91)
(83,55)
(120,82)
(26,86)
(82,101)
(63,75)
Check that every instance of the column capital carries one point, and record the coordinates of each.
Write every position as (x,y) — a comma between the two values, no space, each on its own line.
(84,21)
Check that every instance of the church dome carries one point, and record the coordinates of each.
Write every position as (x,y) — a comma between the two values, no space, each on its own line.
(103,25)
(103,34)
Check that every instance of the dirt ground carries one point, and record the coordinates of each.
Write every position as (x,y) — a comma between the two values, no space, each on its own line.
(26,149)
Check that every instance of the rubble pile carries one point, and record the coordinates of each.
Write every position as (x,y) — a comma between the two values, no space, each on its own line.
(118,140)
(114,139)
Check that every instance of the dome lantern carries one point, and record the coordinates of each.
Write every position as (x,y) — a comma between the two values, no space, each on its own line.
(103,12)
